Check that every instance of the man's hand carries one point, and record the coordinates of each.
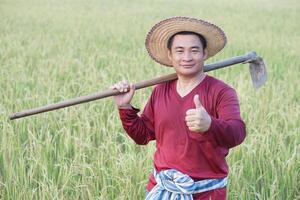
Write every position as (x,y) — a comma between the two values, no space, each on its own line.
(198,120)
(123,100)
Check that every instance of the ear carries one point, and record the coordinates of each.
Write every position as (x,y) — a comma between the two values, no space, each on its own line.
(169,54)
(205,54)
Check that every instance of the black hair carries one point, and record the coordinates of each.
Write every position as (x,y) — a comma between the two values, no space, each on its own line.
(201,38)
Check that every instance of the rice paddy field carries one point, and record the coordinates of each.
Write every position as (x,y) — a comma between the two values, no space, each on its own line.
(54,50)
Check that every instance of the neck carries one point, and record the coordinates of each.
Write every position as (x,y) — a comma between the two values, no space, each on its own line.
(188,82)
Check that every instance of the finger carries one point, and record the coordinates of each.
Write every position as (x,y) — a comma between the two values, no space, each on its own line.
(132,86)
(120,87)
(128,86)
(125,88)
(193,128)
(189,124)
(114,86)
(131,89)
(125,85)
(189,118)
(196,124)
(192,125)
(191,112)
(197,101)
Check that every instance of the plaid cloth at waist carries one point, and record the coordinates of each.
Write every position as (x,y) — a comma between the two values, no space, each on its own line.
(172,184)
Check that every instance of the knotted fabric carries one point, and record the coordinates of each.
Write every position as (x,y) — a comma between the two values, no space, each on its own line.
(174,185)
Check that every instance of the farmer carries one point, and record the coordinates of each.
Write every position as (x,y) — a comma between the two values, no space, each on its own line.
(195,119)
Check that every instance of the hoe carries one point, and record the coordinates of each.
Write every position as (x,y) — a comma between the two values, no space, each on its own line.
(256,65)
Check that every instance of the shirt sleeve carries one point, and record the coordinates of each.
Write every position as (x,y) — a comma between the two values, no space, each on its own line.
(228,129)
(139,128)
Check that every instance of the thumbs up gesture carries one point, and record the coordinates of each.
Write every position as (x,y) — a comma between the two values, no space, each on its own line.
(197,120)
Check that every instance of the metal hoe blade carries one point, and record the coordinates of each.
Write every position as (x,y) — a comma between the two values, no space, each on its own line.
(258,72)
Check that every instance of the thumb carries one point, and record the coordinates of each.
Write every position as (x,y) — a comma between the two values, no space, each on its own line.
(197,101)
(132,88)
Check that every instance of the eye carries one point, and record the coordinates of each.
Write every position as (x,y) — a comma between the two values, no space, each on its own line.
(195,51)
(179,51)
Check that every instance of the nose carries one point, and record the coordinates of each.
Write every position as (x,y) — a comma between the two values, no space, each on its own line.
(187,57)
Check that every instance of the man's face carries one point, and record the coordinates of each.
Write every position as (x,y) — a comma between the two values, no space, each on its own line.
(187,55)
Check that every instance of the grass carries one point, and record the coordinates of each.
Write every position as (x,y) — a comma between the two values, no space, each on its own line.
(55,50)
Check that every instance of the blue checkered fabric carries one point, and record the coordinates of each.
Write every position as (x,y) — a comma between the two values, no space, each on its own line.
(174,185)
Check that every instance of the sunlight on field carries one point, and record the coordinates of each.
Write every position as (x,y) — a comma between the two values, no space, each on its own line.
(55,50)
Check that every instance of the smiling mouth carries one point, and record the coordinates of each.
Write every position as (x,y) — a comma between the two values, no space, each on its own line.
(187,66)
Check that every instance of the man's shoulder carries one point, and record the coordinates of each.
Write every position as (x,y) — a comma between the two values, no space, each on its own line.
(217,83)
(218,87)
(164,86)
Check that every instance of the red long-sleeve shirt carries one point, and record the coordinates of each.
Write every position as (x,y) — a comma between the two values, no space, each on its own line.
(199,155)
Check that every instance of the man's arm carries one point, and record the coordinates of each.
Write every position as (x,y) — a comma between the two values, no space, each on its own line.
(228,129)
(140,129)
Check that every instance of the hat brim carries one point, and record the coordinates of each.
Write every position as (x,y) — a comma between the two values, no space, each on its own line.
(158,37)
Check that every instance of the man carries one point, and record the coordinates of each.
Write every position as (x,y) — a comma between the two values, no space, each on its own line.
(194,119)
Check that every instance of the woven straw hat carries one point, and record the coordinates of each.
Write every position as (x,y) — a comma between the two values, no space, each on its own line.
(157,38)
